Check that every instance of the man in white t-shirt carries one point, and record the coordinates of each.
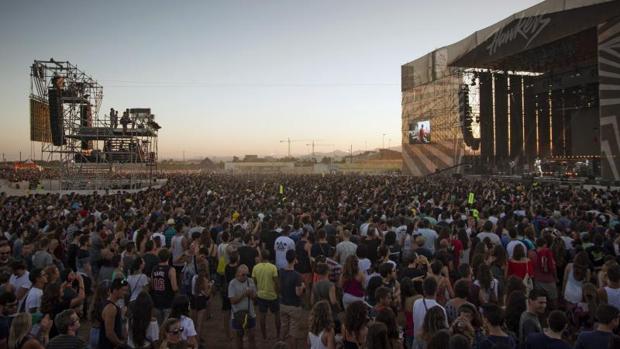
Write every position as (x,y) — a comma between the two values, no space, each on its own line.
(345,248)
(33,297)
(20,280)
(514,241)
(430,235)
(487,233)
(282,244)
(423,305)
(159,235)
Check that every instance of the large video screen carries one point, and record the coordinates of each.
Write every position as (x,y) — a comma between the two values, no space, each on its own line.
(420,132)
(40,129)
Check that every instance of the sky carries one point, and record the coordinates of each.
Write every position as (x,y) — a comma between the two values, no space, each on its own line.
(236,77)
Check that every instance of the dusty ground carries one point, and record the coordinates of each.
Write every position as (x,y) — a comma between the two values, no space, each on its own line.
(214,331)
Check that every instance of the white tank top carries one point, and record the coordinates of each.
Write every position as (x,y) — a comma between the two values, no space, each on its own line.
(573,292)
(177,248)
(315,341)
(613,296)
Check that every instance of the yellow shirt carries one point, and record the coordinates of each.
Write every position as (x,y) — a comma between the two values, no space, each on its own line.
(264,274)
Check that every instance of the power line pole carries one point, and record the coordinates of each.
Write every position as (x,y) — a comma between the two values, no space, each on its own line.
(351,148)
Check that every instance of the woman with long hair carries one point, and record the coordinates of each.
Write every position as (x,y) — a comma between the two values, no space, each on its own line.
(461,294)
(137,280)
(410,294)
(464,239)
(99,300)
(584,311)
(388,317)
(321,327)
(439,272)
(201,292)
(19,334)
(53,302)
(498,268)
(355,326)
(180,310)
(170,335)
(351,282)
(434,321)
(515,306)
(441,340)
(519,265)
(378,337)
(485,288)
(576,274)
(142,325)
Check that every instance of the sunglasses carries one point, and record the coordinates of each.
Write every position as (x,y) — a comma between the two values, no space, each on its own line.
(177,331)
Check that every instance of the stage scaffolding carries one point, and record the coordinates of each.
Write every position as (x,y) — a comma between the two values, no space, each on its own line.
(93,152)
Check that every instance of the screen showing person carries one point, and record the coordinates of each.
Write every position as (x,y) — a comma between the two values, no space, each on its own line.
(420,132)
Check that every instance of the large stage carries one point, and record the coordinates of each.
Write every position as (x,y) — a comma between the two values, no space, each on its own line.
(543,85)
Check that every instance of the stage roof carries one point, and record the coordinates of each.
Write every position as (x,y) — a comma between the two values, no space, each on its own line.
(536,26)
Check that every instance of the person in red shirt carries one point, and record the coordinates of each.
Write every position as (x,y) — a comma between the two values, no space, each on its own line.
(545,270)
(519,265)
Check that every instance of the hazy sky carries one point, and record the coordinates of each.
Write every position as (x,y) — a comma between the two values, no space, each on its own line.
(235,77)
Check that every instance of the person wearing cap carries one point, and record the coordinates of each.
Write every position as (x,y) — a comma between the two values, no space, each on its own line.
(171,230)
(112,334)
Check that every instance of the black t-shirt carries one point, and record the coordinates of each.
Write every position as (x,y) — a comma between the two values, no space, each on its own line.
(424,252)
(303,260)
(490,341)
(65,341)
(373,245)
(82,258)
(229,272)
(373,284)
(247,256)
(593,340)
(57,309)
(268,237)
(289,279)
(150,262)
(72,252)
(5,325)
(541,340)
(412,273)
(322,248)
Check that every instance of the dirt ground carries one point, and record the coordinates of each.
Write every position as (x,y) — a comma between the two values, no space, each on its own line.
(214,332)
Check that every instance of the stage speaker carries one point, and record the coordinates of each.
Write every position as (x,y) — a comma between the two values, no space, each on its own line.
(85,121)
(56,117)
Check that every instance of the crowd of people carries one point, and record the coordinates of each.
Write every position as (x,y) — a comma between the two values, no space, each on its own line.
(314,261)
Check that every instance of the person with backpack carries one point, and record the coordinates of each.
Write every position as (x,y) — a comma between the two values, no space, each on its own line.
(242,292)
(545,277)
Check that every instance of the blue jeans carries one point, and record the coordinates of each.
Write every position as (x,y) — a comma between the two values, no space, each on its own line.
(93,340)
